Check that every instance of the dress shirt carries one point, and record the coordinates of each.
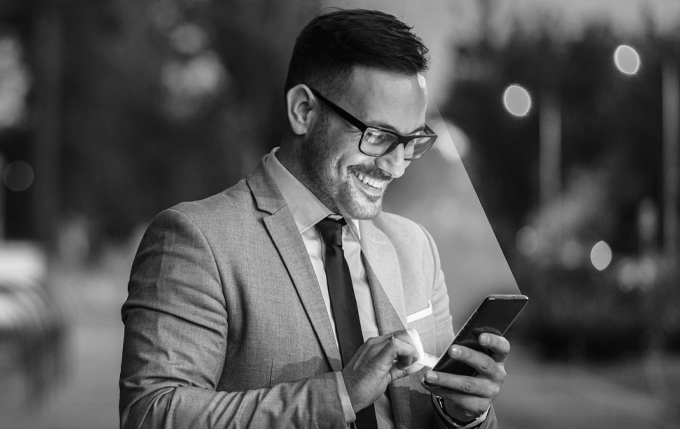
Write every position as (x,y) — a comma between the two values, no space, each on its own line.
(307,211)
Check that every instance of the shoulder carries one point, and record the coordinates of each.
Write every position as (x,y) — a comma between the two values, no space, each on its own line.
(400,229)
(226,211)
(407,237)
(232,198)
(215,208)
(248,200)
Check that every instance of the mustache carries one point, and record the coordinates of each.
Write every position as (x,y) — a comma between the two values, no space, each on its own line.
(373,173)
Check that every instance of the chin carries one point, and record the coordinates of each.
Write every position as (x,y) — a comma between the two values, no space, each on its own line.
(363,212)
(359,207)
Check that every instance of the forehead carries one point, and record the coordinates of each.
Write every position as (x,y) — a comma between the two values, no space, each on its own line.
(387,99)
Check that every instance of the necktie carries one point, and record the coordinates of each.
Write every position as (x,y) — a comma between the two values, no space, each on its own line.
(343,304)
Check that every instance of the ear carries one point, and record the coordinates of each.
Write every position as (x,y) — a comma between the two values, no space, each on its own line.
(299,107)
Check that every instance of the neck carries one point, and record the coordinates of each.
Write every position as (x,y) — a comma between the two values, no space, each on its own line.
(286,156)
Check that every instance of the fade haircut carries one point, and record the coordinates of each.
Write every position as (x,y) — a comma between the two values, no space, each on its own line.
(329,47)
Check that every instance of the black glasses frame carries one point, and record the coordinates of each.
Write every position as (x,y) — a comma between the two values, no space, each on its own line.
(401,139)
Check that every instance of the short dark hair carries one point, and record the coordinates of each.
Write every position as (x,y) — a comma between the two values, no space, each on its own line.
(328,48)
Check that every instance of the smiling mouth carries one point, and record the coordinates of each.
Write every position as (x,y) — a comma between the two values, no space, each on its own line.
(371,182)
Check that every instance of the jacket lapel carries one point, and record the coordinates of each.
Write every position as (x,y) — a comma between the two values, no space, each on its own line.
(288,241)
(384,277)
(385,314)
(384,280)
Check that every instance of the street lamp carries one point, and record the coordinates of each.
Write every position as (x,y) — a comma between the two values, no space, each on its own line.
(670,93)
(517,101)
(627,61)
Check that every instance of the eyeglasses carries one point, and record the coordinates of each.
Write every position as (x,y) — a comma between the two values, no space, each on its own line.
(376,141)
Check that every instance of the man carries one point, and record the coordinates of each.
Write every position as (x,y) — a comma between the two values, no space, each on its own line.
(284,301)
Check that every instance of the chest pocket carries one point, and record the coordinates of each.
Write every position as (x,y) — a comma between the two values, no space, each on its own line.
(422,321)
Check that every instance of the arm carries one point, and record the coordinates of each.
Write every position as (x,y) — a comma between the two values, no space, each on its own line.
(176,341)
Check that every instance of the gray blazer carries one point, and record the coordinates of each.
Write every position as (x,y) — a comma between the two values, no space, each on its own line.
(225,324)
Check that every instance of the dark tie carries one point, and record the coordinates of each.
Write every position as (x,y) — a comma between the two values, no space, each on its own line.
(343,304)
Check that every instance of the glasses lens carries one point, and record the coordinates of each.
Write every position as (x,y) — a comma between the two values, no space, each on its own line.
(376,142)
(417,147)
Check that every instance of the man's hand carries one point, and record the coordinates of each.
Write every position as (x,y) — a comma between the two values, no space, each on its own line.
(466,398)
(377,363)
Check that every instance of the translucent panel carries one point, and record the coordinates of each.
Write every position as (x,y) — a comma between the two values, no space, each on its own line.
(436,190)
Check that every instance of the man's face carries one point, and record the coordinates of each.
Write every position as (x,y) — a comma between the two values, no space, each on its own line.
(343,178)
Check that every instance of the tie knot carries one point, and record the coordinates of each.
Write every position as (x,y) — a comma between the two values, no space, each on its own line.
(331,231)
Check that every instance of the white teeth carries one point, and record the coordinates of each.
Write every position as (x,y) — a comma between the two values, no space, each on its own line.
(369,181)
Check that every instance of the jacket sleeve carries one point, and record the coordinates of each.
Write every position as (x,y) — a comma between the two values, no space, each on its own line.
(444,327)
(176,341)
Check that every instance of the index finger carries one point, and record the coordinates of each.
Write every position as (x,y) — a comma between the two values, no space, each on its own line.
(396,357)
(421,359)
(398,350)
(497,346)
(406,336)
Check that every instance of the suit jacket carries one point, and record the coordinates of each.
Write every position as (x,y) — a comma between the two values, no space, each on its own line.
(225,324)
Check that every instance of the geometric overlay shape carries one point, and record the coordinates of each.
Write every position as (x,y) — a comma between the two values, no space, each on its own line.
(436,190)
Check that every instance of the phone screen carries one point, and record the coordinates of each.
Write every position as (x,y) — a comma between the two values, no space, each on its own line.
(494,315)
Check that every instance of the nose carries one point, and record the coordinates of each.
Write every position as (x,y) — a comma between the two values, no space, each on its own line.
(393,163)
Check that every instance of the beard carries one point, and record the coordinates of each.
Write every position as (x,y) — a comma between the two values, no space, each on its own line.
(355,203)
(313,156)
(339,193)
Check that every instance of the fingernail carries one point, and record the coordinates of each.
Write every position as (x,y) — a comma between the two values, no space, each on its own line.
(431,376)
(484,340)
(455,351)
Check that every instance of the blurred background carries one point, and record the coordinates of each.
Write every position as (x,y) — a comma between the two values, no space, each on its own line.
(558,118)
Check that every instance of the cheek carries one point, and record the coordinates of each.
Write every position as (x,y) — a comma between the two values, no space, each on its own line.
(344,155)
(345,162)
(342,150)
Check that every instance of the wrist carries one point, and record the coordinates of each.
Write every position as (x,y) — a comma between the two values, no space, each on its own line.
(453,417)
(347,408)
(455,413)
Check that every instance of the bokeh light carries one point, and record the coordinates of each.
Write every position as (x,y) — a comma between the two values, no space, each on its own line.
(517,100)
(189,39)
(627,59)
(191,83)
(601,255)
(18,176)
(527,240)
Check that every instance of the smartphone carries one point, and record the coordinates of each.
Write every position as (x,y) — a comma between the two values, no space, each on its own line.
(494,315)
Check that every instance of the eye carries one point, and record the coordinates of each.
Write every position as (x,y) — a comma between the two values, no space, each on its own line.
(375,137)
